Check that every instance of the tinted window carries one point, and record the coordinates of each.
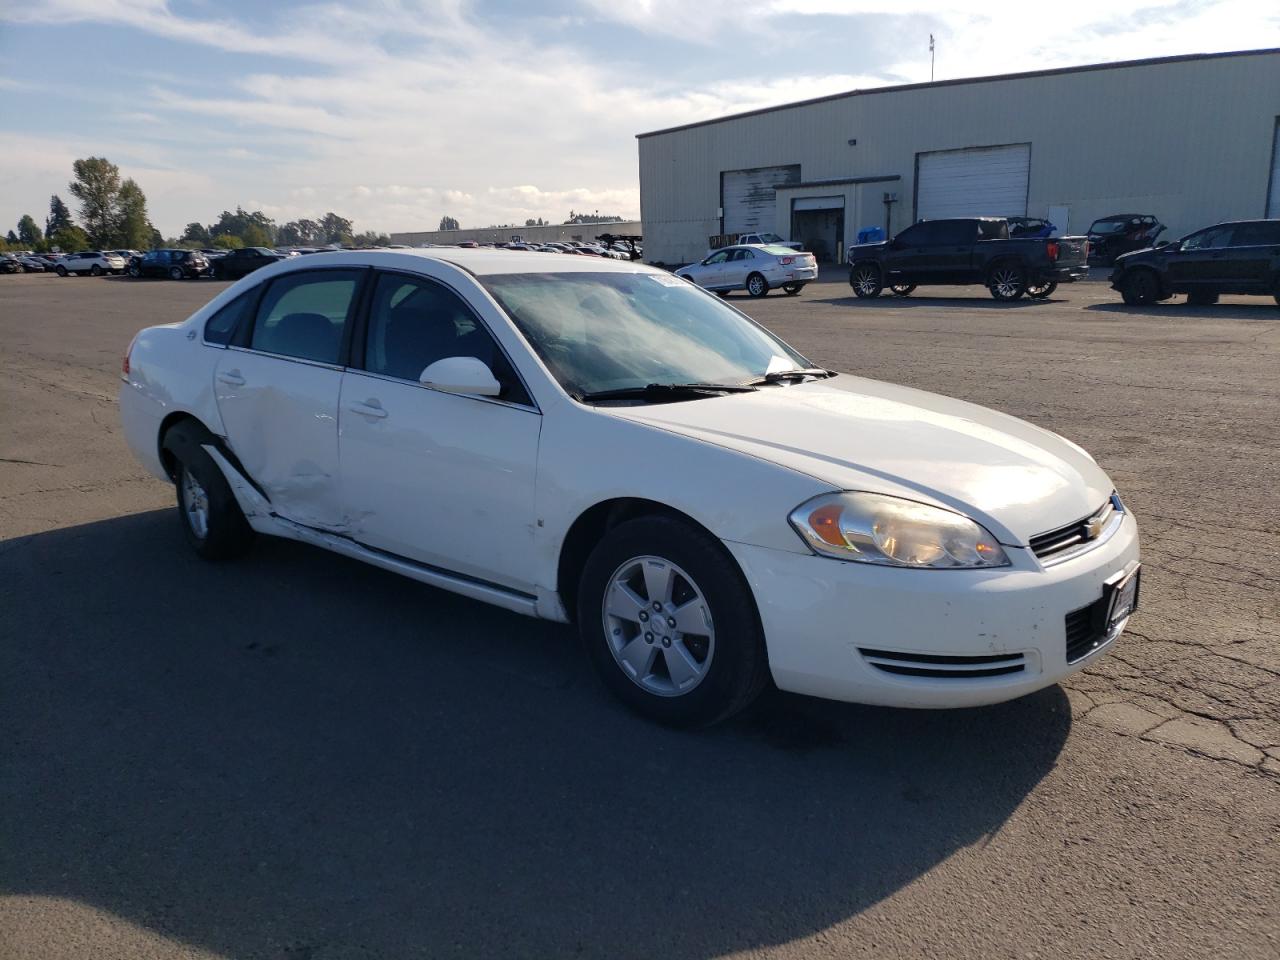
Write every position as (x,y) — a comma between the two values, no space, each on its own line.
(304,314)
(414,322)
(1211,239)
(222,325)
(1256,234)
(921,235)
(956,232)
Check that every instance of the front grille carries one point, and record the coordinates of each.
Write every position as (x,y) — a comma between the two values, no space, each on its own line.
(944,666)
(1076,535)
(1086,630)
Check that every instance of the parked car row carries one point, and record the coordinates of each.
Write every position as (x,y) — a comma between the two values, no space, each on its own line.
(1238,258)
(613,251)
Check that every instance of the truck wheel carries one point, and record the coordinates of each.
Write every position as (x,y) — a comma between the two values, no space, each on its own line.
(1140,288)
(1042,291)
(866,281)
(1202,299)
(902,289)
(757,285)
(1007,281)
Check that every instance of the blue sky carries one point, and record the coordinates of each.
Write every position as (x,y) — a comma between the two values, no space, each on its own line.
(396,112)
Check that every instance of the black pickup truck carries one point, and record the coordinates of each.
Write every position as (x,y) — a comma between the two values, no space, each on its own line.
(972,250)
(1240,257)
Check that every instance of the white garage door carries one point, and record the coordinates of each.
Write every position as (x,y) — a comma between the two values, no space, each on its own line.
(748,198)
(977,182)
(1273,202)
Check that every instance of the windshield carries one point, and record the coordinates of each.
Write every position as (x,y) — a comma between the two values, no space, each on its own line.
(769,238)
(1105,227)
(612,331)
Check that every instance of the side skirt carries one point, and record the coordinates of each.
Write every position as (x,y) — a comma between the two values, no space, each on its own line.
(257,510)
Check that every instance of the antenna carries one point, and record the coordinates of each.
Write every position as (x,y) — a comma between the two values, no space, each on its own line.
(931,58)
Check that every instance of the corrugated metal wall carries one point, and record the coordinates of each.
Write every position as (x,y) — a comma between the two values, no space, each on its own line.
(1190,141)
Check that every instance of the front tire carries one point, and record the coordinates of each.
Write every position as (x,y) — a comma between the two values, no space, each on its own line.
(1140,288)
(1007,281)
(95,271)
(669,623)
(61,271)
(866,280)
(211,518)
(135,272)
(791,289)
(175,273)
(757,285)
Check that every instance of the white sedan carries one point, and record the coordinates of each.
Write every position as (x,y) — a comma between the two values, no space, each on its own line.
(754,268)
(601,443)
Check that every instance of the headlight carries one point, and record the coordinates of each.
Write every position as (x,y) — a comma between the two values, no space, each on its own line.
(874,528)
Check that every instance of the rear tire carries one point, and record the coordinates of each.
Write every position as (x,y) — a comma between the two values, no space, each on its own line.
(1042,291)
(211,518)
(61,271)
(902,289)
(175,273)
(1140,288)
(95,271)
(135,271)
(1007,281)
(1202,299)
(757,285)
(718,666)
(866,280)
(791,289)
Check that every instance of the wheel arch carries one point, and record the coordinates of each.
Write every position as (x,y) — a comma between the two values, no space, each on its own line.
(1006,261)
(590,527)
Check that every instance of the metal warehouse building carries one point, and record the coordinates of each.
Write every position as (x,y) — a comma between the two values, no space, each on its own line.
(1191,139)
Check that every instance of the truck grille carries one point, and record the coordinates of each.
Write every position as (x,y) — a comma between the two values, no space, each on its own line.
(1086,630)
(944,666)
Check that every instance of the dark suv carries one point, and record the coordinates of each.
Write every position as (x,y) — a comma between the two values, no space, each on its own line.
(174,264)
(1240,257)
(239,263)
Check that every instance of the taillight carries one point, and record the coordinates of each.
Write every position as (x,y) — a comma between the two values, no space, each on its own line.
(787,261)
(124,363)
(1052,248)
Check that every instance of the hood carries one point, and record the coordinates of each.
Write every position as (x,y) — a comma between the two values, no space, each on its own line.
(1015,478)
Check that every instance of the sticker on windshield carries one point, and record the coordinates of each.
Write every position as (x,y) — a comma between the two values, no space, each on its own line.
(666,279)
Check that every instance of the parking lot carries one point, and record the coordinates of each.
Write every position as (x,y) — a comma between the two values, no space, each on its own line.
(297,756)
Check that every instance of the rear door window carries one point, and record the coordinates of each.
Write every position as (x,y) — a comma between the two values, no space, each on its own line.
(1257,234)
(305,315)
(952,233)
(921,235)
(222,326)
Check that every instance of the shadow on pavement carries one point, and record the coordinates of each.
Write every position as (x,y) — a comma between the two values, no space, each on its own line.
(1262,310)
(299,756)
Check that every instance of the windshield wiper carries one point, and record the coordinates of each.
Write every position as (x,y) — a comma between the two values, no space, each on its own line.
(781,376)
(666,391)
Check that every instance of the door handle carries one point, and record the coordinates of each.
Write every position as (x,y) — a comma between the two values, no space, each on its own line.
(370,408)
(233,377)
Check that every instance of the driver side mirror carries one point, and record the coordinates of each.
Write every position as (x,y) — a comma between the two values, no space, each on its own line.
(464,375)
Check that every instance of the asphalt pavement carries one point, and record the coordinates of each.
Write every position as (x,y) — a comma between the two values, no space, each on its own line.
(298,757)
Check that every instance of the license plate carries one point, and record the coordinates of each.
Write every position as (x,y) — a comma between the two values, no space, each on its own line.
(1124,598)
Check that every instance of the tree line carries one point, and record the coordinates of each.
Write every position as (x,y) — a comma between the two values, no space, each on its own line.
(451,223)
(113,216)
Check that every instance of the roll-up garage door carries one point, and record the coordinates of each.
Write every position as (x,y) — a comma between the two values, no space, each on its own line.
(748,200)
(975,182)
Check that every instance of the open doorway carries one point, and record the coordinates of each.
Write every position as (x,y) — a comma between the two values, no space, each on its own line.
(818,223)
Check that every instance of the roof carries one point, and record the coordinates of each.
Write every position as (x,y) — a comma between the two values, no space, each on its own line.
(480,261)
(1053,72)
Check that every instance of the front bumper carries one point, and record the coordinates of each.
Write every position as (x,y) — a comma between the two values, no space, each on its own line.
(821,616)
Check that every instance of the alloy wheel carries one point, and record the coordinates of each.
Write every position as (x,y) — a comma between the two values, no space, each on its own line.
(1006,282)
(865,281)
(658,626)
